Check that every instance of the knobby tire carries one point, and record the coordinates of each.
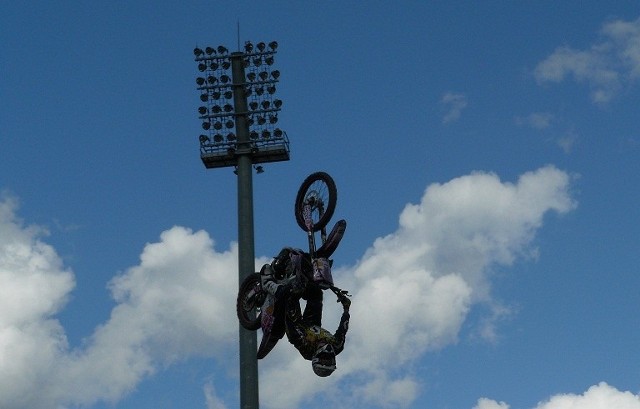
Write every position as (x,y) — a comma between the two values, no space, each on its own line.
(247,306)
(317,183)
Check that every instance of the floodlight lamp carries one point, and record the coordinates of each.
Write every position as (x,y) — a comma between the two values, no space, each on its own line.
(257,61)
(259,169)
(226,65)
(210,50)
(202,110)
(229,124)
(248,47)
(263,75)
(266,134)
(222,49)
(251,76)
(277,103)
(231,136)
(197,52)
(277,133)
(250,121)
(265,104)
(247,91)
(228,94)
(253,105)
(261,46)
(275,74)
(204,139)
(271,89)
(273,119)
(214,65)
(261,120)
(202,67)
(269,60)
(206,125)
(273,45)
(204,97)
(211,79)
(259,90)
(253,135)
(216,109)
(217,126)
(225,78)
(200,81)
(228,108)
(216,95)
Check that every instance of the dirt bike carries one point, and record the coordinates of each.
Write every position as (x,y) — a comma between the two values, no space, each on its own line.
(314,206)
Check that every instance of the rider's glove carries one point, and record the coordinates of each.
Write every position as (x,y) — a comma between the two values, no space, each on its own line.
(346,302)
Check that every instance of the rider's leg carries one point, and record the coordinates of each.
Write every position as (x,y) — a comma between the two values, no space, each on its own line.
(313,310)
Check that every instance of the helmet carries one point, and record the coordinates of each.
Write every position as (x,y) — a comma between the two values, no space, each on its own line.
(324,360)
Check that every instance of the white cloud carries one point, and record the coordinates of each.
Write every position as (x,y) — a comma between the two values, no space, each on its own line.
(177,303)
(454,103)
(412,291)
(607,66)
(484,403)
(33,287)
(537,120)
(567,141)
(212,399)
(601,396)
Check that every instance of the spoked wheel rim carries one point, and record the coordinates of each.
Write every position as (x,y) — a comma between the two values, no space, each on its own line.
(316,201)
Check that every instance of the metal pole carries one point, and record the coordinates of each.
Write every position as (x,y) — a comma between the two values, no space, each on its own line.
(249,397)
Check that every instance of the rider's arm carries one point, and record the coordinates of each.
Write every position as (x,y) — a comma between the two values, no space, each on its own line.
(268,279)
(341,333)
(270,284)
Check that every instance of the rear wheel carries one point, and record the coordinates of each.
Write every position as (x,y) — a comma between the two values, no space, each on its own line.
(249,302)
(316,201)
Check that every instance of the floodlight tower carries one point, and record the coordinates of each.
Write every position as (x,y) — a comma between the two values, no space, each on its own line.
(237,93)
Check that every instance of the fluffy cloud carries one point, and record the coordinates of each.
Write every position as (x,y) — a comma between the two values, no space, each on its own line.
(412,291)
(213,401)
(606,66)
(454,103)
(413,288)
(33,287)
(484,403)
(536,120)
(601,396)
(177,303)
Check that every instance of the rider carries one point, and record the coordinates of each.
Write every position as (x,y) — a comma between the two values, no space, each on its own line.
(304,329)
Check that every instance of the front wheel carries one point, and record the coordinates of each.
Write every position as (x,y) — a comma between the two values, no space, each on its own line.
(318,195)
(249,302)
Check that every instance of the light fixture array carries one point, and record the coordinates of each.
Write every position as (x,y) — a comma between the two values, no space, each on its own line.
(217,87)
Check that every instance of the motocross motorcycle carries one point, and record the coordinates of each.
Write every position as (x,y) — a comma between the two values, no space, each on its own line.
(255,306)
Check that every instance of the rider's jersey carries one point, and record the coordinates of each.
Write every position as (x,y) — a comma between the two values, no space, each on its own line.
(307,337)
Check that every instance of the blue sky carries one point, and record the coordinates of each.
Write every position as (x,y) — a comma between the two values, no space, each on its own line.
(487,161)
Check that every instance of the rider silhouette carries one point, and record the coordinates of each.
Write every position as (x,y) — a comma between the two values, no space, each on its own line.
(303,329)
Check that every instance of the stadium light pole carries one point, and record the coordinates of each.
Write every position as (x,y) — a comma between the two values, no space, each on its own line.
(245,102)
